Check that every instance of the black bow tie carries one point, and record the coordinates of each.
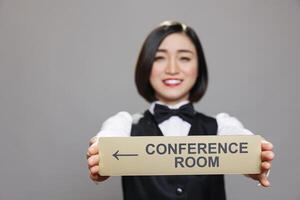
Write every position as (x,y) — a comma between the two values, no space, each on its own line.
(185,112)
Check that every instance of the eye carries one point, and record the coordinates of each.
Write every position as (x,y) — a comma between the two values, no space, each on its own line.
(158,58)
(185,59)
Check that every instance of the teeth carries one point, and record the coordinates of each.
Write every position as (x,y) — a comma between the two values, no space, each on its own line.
(172,81)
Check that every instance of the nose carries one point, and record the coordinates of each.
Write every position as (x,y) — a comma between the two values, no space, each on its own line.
(172,68)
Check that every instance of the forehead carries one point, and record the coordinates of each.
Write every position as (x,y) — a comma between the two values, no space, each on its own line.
(177,41)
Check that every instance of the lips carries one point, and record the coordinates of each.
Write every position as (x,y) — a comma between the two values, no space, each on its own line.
(172,82)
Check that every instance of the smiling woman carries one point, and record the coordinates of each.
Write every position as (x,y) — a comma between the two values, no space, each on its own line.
(171,74)
(174,49)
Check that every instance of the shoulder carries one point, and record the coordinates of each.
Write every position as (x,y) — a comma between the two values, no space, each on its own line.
(117,125)
(230,125)
(137,117)
(121,117)
(225,123)
(205,117)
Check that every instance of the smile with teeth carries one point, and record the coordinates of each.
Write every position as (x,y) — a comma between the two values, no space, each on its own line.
(172,82)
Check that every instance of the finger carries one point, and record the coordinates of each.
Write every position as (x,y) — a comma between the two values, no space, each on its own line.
(265,166)
(264,180)
(93,140)
(93,149)
(93,160)
(95,177)
(266,146)
(88,155)
(95,169)
(267,155)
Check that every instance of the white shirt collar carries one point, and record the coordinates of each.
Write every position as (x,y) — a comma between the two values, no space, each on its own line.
(175,106)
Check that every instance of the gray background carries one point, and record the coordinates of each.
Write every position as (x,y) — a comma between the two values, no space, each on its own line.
(68,65)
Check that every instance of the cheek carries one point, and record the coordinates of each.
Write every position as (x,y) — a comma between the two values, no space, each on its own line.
(192,73)
(155,73)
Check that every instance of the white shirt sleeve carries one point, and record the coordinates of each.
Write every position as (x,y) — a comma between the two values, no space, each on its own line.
(228,125)
(118,125)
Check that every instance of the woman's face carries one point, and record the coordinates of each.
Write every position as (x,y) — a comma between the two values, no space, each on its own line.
(175,69)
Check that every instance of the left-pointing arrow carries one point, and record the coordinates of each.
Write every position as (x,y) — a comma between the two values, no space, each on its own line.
(117,154)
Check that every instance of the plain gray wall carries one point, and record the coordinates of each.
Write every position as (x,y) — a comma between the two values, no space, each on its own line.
(67,65)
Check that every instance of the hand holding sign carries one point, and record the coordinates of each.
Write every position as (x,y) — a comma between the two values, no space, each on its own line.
(267,155)
(93,161)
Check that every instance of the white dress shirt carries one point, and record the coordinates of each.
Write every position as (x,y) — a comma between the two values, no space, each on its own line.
(120,124)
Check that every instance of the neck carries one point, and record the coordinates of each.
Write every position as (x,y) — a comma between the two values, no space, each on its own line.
(172,102)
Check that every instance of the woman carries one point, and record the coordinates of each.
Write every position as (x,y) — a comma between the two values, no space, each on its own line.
(171,74)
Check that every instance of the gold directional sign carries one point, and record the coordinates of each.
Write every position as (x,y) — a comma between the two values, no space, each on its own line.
(157,155)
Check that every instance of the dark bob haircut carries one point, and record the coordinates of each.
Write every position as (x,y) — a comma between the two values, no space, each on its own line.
(147,55)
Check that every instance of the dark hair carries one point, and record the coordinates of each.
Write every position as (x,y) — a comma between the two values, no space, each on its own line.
(147,55)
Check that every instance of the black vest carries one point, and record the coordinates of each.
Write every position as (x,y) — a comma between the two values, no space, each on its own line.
(191,187)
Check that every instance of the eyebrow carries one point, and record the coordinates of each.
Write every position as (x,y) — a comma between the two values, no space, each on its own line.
(161,50)
(180,51)
(185,51)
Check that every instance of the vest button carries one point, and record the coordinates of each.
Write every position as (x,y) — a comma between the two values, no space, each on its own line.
(179,191)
